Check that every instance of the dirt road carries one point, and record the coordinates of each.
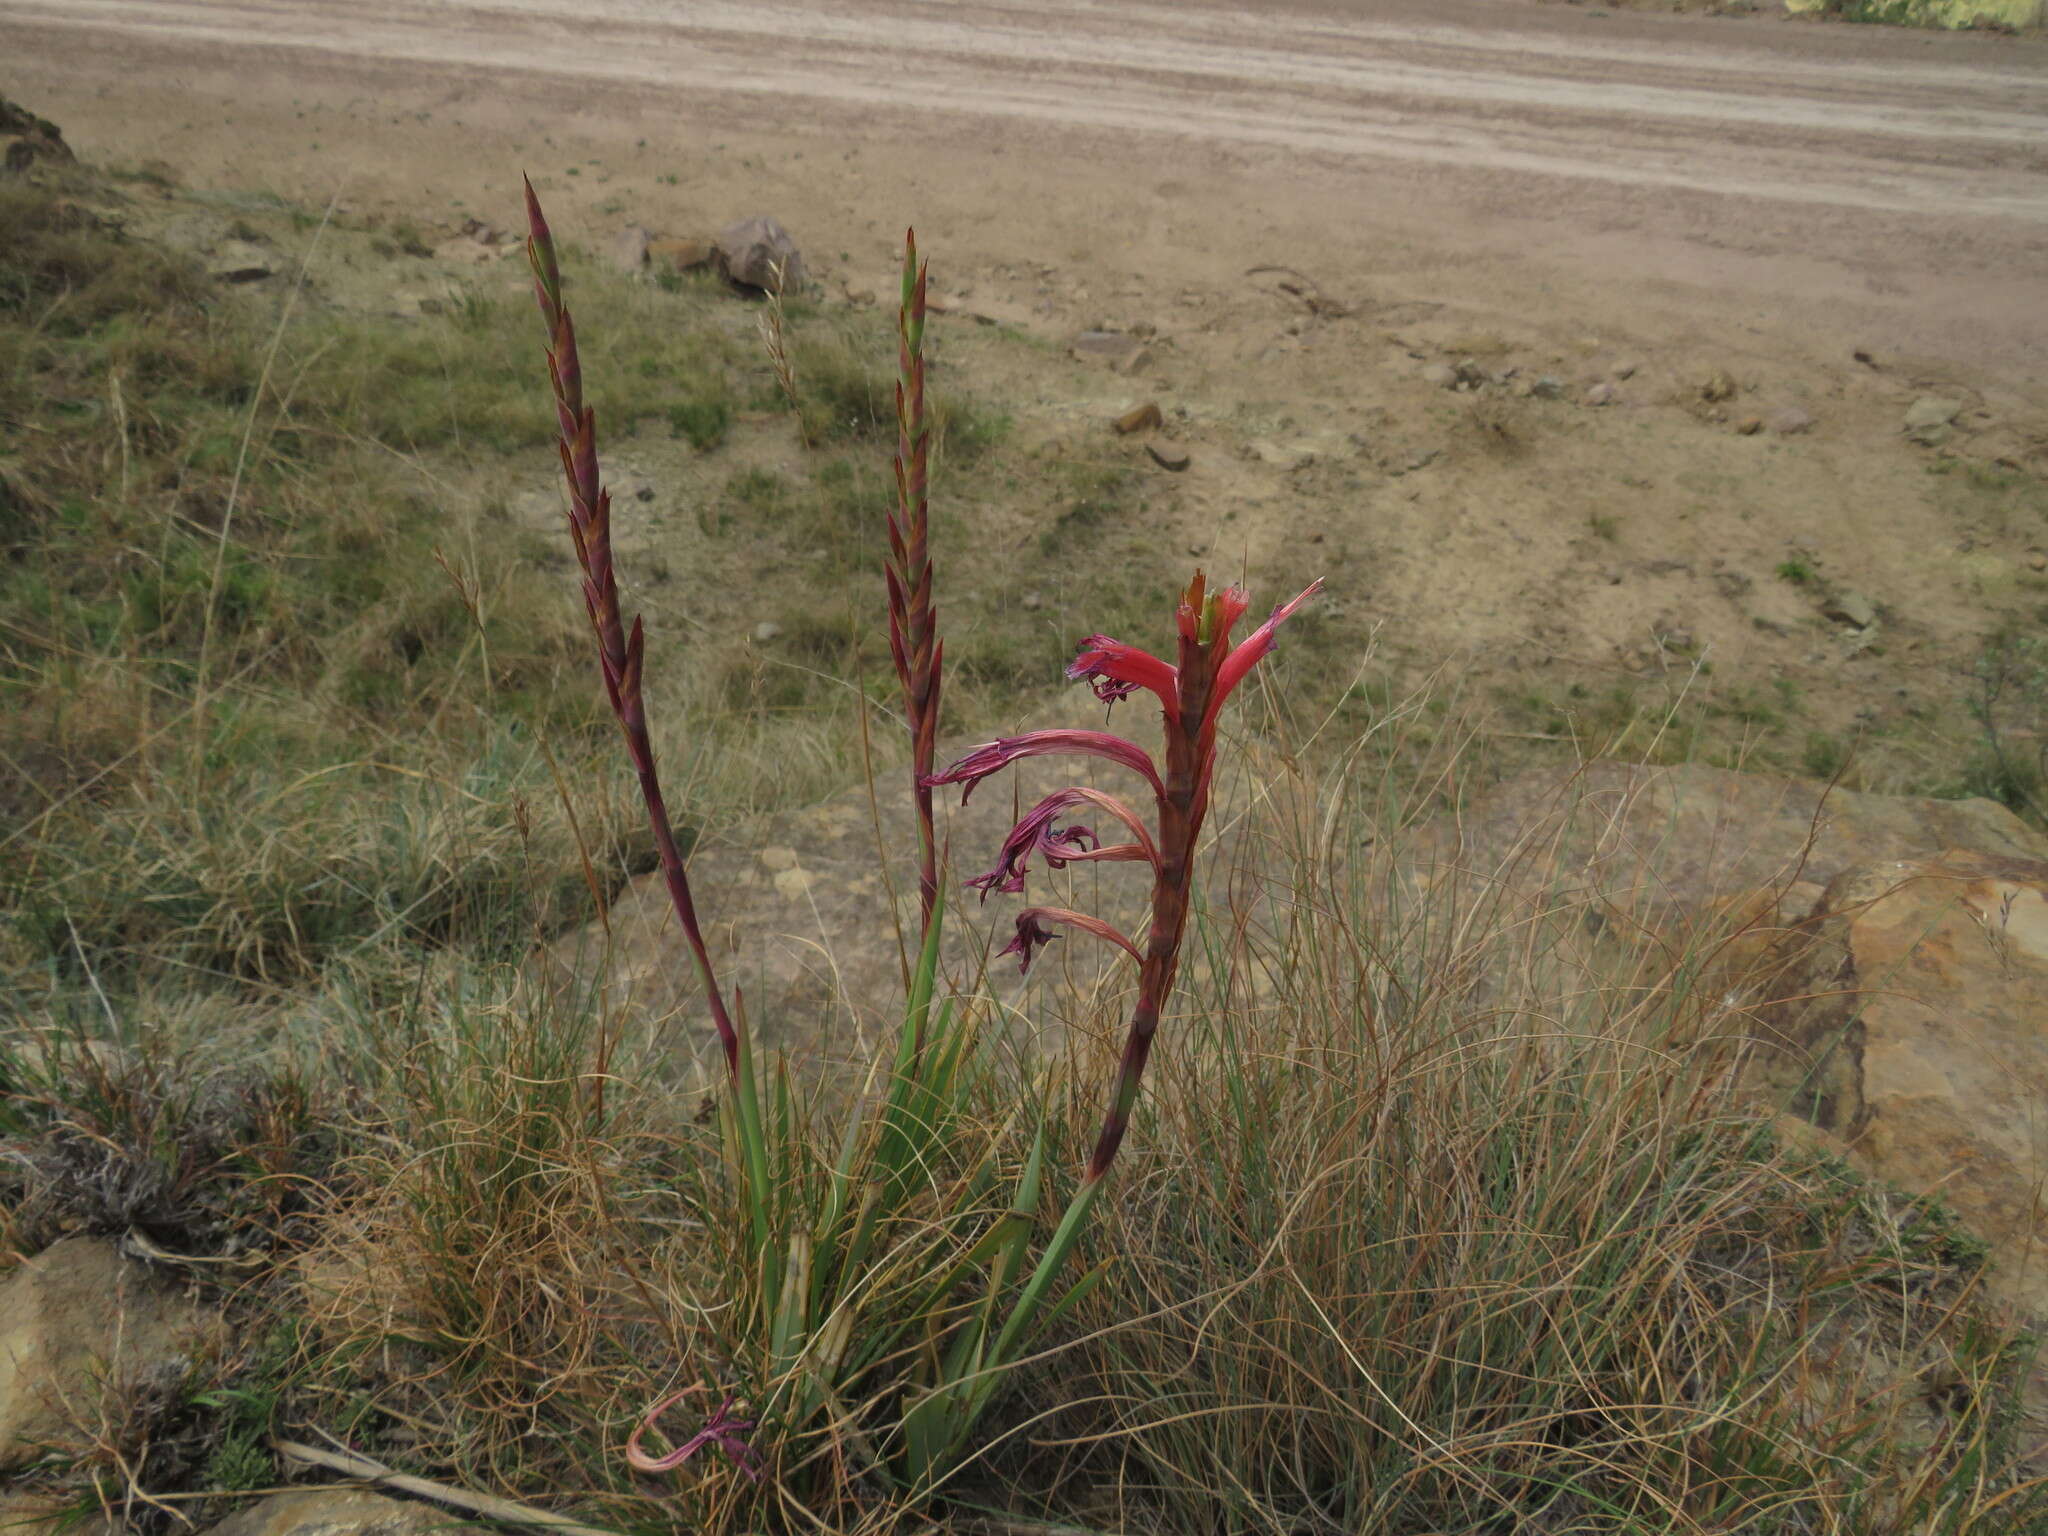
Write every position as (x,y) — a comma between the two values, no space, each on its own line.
(1627,310)
(1777,165)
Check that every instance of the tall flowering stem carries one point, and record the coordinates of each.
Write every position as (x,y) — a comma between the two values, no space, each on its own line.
(620,650)
(1191,693)
(913,620)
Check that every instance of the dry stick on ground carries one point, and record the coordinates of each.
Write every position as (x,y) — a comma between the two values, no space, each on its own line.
(363,1469)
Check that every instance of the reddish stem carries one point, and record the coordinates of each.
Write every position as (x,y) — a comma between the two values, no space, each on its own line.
(620,651)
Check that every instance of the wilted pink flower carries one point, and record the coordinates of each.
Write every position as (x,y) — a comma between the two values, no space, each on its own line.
(998,755)
(722,1429)
(1060,846)
(1032,934)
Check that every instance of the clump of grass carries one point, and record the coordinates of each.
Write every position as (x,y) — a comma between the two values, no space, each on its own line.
(351,781)
(1446,1219)
(702,423)
(1795,571)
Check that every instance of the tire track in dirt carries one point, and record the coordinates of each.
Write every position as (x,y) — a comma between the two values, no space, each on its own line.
(1769,113)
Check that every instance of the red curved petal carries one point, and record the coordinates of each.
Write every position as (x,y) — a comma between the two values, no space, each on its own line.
(1255,645)
(998,755)
(1116,670)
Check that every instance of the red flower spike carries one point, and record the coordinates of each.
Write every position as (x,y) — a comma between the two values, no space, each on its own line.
(1192,694)
(619,652)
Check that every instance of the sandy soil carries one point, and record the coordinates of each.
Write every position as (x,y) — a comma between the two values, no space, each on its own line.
(1836,220)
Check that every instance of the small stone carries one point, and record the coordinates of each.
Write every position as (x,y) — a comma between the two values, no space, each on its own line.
(1749,426)
(1548,387)
(1791,421)
(629,248)
(1104,346)
(765,631)
(1602,393)
(1137,362)
(240,261)
(778,859)
(1033,601)
(680,255)
(1142,418)
(2037,561)
(1625,370)
(1442,375)
(1168,456)
(1929,420)
(1717,386)
(1849,607)
(465,252)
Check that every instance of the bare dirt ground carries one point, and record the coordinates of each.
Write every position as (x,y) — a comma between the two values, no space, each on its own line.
(1686,226)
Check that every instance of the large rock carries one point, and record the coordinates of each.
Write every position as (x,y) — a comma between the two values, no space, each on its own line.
(1660,845)
(78,1320)
(1910,1027)
(759,253)
(338,1512)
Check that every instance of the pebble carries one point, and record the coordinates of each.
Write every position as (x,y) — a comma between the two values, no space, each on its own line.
(1791,421)
(629,248)
(1442,375)
(1108,346)
(239,261)
(1169,456)
(1749,426)
(765,631)
(1142,418)
(1548,387)
(1928,420)
(1848,607)
(2037,561)
(1602,393)
(1717,386)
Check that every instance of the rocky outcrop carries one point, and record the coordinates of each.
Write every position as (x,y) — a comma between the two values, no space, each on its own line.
(1910,1026)
(77,1321)
(1660,845)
